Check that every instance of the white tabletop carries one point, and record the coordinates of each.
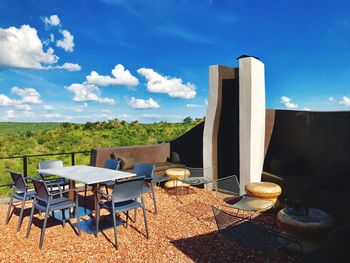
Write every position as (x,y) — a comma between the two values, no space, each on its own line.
(86,174)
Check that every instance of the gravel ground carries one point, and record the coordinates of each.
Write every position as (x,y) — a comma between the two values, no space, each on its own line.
(183,231)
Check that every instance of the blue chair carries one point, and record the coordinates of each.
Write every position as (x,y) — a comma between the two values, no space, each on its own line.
(147,170)
(112,164)
(45,201)
(20,192)
(122,200)
(49,181)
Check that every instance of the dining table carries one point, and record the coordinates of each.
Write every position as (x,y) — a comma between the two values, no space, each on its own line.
(90,175)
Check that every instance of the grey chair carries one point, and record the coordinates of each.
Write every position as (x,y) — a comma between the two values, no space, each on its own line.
(19,192)
(227,189)
(44,201)
(122,200)
(147,170)
(196,177)
(250,234)
(51,182)
(112,164)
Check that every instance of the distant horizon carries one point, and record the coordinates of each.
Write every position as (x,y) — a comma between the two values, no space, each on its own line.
(149,60)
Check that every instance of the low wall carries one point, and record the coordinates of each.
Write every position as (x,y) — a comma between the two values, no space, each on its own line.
(155,153)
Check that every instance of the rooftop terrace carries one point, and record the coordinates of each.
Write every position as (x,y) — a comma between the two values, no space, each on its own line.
(183,231)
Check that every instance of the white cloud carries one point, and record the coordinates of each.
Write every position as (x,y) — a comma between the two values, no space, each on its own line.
(10,114)
(22,48)
(161,116)
(121,76)
(306,109)
(345,101)
(47,107)
(6,101)
(143,104)
(331,99)
(53,20)
(24,107)
(75,108)
(67,43)
(29,95)
(87,92)
(52,37)
(163,84)
(68,66)
(206,102)
(191,105)
(287,102)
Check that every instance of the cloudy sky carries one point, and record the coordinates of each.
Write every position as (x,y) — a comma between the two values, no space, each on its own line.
(148,60)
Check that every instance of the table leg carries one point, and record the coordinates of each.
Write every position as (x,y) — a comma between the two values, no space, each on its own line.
(96,196)
(71,186)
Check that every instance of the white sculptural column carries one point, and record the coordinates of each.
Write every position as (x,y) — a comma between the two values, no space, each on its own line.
(251,119)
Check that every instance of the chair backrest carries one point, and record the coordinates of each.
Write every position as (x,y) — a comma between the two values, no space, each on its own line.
(50,164)
(42,193)
(144,169)
(19,182)
(227,185)
(128,189)
(112,164)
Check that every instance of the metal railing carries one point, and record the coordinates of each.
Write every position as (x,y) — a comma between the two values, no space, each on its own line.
(25,160)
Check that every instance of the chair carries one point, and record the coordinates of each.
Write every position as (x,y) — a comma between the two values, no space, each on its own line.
(122,200)
(251,234)
(20,192)
(45,201)
(228,190)
(112,164)
(147,170)
(52,182)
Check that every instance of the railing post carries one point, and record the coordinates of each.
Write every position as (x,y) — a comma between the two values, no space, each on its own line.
(25,165)
(73,158)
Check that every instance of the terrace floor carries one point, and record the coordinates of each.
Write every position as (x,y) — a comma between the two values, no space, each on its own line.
(182,232)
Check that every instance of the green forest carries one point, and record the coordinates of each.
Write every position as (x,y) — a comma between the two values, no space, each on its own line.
(18,139)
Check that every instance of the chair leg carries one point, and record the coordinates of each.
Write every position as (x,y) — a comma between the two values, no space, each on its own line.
(77,215)
(135,215)
(127,218)
(154,198)
(115,228)
(42,234)
(9,210)
(30,219)
(21,213)
(144,217)
(63,217)
(106,188)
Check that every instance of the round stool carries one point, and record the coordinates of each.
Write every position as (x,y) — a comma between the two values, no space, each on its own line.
(175,174)
(265,190)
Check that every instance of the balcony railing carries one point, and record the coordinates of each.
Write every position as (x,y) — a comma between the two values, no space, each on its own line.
(26,157)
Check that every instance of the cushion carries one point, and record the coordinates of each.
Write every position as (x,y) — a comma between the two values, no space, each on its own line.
(126,160)
(175,157)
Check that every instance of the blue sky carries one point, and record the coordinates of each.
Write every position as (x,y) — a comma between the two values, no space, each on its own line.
(148,60)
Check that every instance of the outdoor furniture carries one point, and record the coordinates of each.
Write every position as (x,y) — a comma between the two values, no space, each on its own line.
(175,174)
(52,182)
(90,175)
(146,170)
(44,201)
(227,189)
(20,192)
(265,190)
(123,199)
(311,228)
(196,177)
(250,234)
(112,164)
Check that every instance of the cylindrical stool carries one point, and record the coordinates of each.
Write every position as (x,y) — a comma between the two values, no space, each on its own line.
(264,190)
(175,174)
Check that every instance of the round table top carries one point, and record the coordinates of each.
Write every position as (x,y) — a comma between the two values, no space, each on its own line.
(316,219)
(263,189)
(177,173)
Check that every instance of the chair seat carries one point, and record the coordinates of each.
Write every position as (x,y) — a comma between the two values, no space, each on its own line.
(253,204)
(57,182)
(159,179)
(121,206)
(146,189)
(55,204)
(195,180)
(30,195)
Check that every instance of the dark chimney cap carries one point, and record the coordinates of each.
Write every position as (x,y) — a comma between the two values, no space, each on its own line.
(247,56)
